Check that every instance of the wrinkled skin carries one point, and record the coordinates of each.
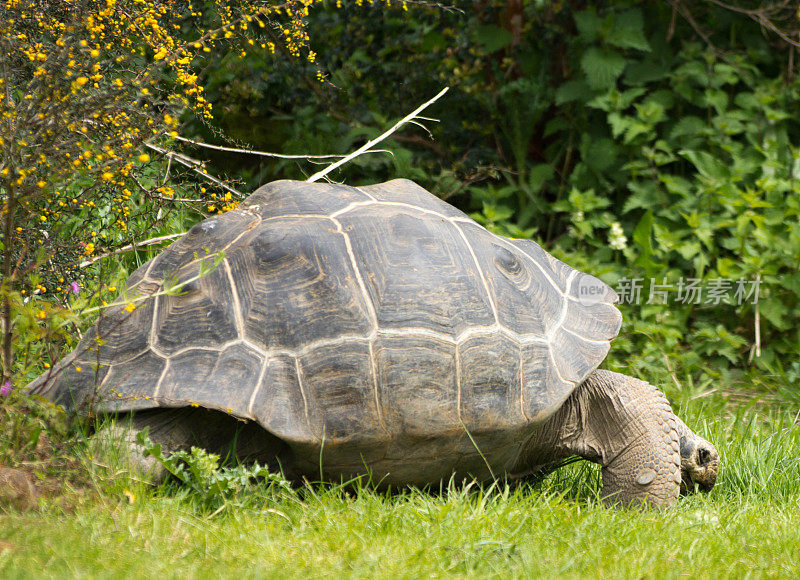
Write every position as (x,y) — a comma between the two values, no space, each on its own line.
(627,426)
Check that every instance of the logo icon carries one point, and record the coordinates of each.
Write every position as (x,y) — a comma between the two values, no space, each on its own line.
(590,290)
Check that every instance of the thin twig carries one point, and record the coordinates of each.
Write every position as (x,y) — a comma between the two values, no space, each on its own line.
(704,394)
(756,348)
(193,164)
(410,117)
(264,153)
(672,374)
(683,11)
(130,247)
(166,172)
(759,15)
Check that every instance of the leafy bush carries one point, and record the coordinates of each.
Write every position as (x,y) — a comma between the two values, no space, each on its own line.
(89,90)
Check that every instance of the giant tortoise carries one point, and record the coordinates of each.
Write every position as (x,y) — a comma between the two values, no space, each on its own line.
(379,331)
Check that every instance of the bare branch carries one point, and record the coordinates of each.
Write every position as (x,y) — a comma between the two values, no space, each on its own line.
(130,247)
(264,153)
(193,164)
(677,5)
(764,16)
(367,146)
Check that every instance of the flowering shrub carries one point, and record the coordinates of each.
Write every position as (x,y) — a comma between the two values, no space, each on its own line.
(89,89)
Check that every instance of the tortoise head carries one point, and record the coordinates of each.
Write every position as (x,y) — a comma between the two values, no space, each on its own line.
(699,463)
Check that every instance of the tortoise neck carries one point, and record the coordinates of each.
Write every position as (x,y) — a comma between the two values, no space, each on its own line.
(584,426)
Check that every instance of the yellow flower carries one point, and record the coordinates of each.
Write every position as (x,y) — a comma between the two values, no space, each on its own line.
(78,369)
(130,307)
(42,314)
(89,249)
(95,53)
(144,158)
(112,288)
(81,81)
(107,176)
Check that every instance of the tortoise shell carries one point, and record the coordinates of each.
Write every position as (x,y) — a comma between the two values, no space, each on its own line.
(379,322)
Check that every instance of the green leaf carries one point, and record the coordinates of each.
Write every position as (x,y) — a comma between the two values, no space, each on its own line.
(613,100)
(557,124)
(650,112)
(588,24)
(627,126)
(602,67)
(492,38)
(644,195)
(676,184)
(577,90)
(689,249)
(775,312)
(707,165)
(600,154)
(642,237)
(689,125)
(539,174)
(645,72)
(747,101)
(628,31)
(725,74)
(717,99)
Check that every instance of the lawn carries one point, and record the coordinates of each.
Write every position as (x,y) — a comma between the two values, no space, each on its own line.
(115,526)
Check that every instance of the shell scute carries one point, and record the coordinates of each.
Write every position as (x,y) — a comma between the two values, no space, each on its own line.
(417,383)
(296,285)
(201,315)
(417,271)
(341,398)
(217,379)
(404,191)
(515,284)
(271,201)
(491,381)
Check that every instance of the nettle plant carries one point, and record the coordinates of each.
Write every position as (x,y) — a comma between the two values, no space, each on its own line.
(695,155)
(89,90)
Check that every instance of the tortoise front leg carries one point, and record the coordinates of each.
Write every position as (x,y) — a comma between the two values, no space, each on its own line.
(628,427)
(637,432)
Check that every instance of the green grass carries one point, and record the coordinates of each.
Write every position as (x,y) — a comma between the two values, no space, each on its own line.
(746,526)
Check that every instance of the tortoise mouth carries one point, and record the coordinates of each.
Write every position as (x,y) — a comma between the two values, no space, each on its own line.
(702,479)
